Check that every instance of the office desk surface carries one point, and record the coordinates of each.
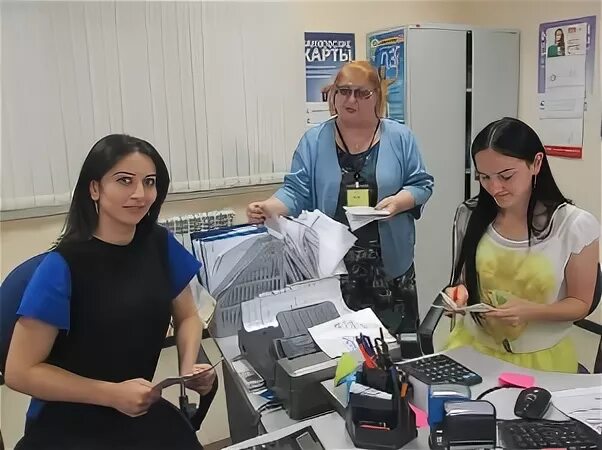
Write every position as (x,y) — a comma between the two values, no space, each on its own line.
(330,428)
(271,421)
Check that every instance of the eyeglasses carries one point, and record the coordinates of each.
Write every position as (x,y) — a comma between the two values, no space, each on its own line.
(357,92)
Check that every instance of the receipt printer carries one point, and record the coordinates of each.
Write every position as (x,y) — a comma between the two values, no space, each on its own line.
(439,395)
(467,424)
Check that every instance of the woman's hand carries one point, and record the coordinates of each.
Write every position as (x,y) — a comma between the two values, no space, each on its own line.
(459,294)
(133,397)
(515,312)
(204,382)
(256,212)
(398,203)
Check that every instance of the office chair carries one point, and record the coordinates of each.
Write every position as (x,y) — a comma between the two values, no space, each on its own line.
(11,292)
(432,318)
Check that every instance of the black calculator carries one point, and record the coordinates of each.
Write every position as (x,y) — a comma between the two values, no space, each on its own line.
(440,369)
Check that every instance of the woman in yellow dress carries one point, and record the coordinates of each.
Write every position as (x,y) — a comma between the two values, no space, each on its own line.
(524,249)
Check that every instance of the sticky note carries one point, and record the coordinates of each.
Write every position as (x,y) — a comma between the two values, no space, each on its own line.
(516,379)
(346,366)
(421,417)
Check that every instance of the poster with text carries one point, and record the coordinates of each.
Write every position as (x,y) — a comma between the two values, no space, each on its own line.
(565,79)
(385,50)
(325,54)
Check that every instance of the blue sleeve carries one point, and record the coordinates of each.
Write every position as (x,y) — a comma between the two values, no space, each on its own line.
(417,181)
(48,293)
(182,265)
(295,192)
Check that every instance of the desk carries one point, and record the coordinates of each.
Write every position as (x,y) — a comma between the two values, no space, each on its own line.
(244,420)
(330,428)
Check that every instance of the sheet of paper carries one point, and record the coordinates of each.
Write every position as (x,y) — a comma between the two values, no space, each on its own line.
(315,244)
(359,216)
(365,211)
(338,336)
(261,311)
(170,381)
(582,404)
(360,389)
(450,305)
(562,103)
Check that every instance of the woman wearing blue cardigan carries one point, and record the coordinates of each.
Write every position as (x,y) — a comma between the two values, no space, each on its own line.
(359,158)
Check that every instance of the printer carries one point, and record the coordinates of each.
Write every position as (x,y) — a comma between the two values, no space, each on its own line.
(291,363)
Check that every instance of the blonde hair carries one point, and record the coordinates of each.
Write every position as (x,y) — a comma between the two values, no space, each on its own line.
(369,72)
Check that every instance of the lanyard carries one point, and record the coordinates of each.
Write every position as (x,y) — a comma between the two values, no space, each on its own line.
(358,164)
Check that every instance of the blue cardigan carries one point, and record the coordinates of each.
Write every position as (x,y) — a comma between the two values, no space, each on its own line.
(315,180)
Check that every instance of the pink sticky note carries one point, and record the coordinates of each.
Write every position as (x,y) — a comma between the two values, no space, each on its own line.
(421,417)
(516,379)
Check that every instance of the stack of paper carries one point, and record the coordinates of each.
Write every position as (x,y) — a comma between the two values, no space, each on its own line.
(358,216)
(315,245)
(252,381)
(261,311)
(582,404)
(226,253)
(339,336)
(450,305)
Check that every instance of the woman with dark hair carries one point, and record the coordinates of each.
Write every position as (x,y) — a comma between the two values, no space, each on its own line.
(524,249)
(558,48)
(95,314)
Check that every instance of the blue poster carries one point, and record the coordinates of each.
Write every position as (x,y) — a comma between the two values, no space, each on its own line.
(385,50)
(325,53)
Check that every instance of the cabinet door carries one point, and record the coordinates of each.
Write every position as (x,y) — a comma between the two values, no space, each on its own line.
(436,112)
(495,71)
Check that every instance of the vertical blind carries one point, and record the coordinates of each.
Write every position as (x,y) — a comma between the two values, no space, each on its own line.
(216,87)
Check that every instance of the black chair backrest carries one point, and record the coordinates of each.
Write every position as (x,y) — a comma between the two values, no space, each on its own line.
(11,293)
(597,292)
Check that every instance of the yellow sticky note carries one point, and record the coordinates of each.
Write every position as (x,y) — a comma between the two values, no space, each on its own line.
(358,197)
(347,365)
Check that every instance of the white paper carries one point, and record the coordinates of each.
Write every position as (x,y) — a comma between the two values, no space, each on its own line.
(360,389)
(582,404)
(261,311)
(565,71)
(170,381)
(561,132)
(219,254)
(359,216)
(316,112)
(562,103)
(338,336)
(450,305)
(365,211)
(315,244)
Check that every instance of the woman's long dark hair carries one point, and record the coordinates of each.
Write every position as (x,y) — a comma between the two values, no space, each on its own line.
(509,137)
(82,218)
(561,42)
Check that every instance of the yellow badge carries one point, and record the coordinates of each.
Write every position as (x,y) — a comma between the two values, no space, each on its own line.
(358,197)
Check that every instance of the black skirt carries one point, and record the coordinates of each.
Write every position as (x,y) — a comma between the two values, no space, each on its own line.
(69,426)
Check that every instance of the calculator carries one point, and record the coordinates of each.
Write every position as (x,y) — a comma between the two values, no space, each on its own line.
(440,369)
(544,434)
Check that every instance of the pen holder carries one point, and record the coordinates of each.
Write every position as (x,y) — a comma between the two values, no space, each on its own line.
(375,378)
(376,423)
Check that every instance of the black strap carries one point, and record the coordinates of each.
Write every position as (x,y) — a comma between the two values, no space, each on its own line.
(362,161)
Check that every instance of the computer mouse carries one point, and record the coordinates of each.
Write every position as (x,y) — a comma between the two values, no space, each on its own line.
(532,403)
